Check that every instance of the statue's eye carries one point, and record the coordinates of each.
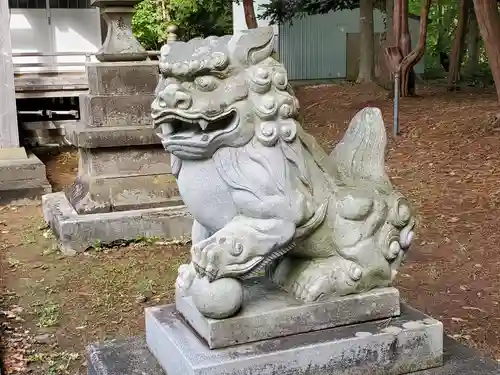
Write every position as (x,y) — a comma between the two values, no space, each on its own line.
(206,83)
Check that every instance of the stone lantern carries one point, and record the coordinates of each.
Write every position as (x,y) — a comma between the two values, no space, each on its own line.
(124,188)
(120,43)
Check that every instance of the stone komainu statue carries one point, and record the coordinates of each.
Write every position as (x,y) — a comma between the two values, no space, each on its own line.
(264,195)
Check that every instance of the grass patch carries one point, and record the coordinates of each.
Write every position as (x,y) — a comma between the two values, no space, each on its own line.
(55,363)
(49,314)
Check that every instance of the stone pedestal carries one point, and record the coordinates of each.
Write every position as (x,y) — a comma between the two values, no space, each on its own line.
(124,187)
(132,357)
(275,333)
(22,175)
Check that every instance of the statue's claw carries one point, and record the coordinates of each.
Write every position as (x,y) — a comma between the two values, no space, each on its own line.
(185,277)
(325,277)
(206,260)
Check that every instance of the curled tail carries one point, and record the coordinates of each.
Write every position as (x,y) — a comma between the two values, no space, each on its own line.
(360,156)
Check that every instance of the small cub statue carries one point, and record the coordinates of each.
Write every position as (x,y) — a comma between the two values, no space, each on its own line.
(265,197)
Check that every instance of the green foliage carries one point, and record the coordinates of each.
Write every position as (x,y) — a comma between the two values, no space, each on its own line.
(149,26)
(443,20)
(194,18)
(201,18)
(278,11)
(440,31)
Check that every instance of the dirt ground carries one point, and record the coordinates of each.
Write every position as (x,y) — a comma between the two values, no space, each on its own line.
(447,162)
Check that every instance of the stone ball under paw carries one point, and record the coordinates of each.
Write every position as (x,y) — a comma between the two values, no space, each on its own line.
(219,299)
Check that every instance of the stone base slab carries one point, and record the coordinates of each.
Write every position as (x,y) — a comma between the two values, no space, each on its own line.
(123,78)
(108,136)
(22,179)
(131,357)
(270,312)
(411,342)
(123,179)
(77,233)
(116,110)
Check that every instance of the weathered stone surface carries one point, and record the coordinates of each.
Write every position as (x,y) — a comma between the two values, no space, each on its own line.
(262,190)
(270,312)
(119,78)
(22,179)
(120,43)
(111,137)
(116,110)
(128,357)
(77,233)
(407,343)
(119,179)
(132,358)
(124,161)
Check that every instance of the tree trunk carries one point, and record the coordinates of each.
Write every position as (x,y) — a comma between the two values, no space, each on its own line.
(249,10)
(389,10)
(405,41)
(410,60)
(367,50)
(472,45)
(488,20)
(407,77)
(458,43)
(382,72)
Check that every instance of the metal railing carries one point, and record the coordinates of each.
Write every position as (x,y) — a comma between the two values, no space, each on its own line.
(56,64)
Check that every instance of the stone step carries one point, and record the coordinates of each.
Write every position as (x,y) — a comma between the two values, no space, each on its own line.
(22,179)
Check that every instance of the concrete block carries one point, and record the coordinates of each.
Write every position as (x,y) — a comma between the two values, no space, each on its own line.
(12,153)
(111,136)
(90,195)
(116,110)
(22,180)
(411,342)
(140,160)
(270,312)
(123,78)
(77,233)
(119,179)
(131,357)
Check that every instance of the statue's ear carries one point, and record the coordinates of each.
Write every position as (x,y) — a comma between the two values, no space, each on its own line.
(249,47)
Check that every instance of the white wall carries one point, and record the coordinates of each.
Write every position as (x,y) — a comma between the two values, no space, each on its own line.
(71,30)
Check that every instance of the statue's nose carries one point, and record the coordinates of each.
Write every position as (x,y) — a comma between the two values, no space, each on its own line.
(173,97)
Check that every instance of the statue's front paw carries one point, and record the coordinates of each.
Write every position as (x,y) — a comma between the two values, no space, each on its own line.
(208,256)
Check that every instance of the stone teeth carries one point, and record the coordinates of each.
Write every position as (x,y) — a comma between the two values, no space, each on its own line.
(203,123)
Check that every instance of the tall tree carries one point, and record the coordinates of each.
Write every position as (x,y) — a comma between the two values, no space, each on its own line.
(400,56)
(473,38)
(249,10)
(367,50)
(458,43)
(488,19)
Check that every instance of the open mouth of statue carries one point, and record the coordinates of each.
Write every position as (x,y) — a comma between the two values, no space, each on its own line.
(179,127)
